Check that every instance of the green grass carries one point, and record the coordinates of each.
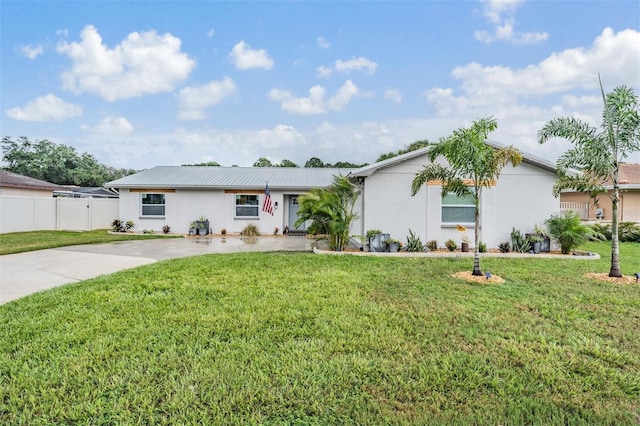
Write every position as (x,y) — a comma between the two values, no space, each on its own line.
(279,338)
(18,242)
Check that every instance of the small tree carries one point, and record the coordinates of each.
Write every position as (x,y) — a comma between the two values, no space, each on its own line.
(331,211)
(472,165)
(598,154)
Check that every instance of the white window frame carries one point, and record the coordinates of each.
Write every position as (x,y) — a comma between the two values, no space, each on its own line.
(246,206)
(163,205)
(471,206)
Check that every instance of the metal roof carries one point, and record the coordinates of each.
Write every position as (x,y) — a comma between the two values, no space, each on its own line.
(367,171)
(207,177)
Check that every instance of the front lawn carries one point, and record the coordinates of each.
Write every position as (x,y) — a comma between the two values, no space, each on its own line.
(291,338)
(18,242)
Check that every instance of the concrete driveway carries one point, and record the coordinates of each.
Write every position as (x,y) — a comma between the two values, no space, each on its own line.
(26,273)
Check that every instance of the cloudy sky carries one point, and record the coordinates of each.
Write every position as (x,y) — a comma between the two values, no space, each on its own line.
(139,84)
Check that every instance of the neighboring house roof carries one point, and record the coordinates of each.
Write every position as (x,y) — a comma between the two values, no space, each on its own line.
(85,192)
(203,177)
(14,180)
(372,168)
(629,176)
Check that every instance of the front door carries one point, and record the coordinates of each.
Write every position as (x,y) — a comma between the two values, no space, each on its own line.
(293,213)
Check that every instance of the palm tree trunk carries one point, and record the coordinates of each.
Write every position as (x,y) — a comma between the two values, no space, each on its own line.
(615,245)
(476,251)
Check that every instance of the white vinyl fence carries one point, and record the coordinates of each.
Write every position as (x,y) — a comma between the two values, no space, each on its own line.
(18,214)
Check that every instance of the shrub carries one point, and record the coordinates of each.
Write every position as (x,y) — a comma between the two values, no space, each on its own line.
(601,228)
(451,245)
(629,232)
(413,242)
(223,231)
(482,247)
(251,230)
(119,226)
(567,228)
(504,247)
(166,229)
(116,225)
(432,245)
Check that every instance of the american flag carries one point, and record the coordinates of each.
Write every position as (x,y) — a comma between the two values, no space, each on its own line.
(266,204)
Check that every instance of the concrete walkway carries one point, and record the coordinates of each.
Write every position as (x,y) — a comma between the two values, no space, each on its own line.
(26,273)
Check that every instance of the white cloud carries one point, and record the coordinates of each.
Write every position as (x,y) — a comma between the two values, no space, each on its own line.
(325,127)
(142,63)
(45,108)
(322,43)
(324,72)
(393,95)
(246,58)
(193,100)
(565,83)
(502,14)
(282,136)
(315,103)
(211,32)
(616,56)
(356,64)
(111,125)
(30,51)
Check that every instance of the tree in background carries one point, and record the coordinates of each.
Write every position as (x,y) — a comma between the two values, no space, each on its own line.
(207,164)
(472,165)
(56,163)
(287,163)
(331,211)
(314,162)
(411,147)
(263,162)
(598,154)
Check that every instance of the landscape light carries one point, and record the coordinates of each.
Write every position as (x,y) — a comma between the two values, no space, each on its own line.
(637,275)
(487,274)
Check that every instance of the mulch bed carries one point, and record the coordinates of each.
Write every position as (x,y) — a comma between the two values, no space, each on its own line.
(625,279)
(467,276)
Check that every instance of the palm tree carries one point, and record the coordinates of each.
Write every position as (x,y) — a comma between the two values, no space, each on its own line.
(597,154)
(472,165)
(331,211)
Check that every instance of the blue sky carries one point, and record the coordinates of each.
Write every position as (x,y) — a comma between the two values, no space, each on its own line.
(139,84)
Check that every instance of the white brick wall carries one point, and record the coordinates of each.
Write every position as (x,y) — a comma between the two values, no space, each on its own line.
(521,198)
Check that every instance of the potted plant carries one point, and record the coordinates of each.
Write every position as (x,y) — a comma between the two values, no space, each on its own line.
(377,240)
(535,241)
(393,245)
(193,229)
(546,241)
(202,225)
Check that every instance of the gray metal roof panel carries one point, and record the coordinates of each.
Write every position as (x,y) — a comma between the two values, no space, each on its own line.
(229,177)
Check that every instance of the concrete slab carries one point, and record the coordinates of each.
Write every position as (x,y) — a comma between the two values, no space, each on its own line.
(26,273)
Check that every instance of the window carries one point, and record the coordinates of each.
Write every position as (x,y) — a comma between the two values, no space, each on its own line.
(458,209)
(152,205)
(246,205)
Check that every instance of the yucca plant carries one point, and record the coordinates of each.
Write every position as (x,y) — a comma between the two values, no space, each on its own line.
(413,242)
(569,231)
